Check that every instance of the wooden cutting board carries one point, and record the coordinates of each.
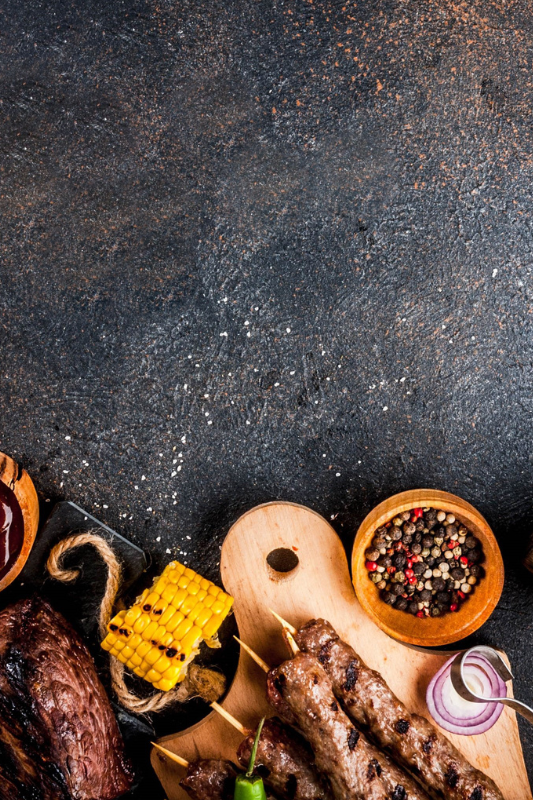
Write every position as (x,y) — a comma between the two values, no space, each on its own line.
(319,586)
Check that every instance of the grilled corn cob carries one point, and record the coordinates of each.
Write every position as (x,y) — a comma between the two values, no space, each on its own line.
(160,634)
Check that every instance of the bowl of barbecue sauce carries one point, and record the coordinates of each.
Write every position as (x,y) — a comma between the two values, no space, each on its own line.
(19,519)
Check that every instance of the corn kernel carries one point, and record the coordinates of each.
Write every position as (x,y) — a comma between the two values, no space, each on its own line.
(162,664)
(133,614)
(149,631)
(178,598)
(152,656)
(203,617)
(188,641)
(167,615)
(183,629)
(141,624)
(175,621)
(164,685)
(212,626)
(188,604)
(173,672)
(153,676)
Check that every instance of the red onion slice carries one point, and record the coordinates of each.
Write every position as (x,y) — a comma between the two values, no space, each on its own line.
(465,717)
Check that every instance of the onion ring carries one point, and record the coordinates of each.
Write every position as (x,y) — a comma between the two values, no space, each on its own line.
(460,716)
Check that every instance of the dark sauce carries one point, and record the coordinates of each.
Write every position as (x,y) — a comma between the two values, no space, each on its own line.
(11,529)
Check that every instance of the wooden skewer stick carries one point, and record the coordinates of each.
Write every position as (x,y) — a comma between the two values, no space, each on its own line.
(288,632)
(229,718)
(258,660)
(284,622)
(173,757)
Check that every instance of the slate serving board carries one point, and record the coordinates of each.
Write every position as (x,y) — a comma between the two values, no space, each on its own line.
(80,603)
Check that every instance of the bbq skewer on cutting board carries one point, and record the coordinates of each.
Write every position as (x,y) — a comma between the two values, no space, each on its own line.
(319,585)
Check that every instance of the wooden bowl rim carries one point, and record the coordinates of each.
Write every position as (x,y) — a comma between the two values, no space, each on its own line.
(429,632)
(22,486)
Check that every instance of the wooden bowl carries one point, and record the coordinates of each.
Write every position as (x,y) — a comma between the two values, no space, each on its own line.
(429,631)
(25,503)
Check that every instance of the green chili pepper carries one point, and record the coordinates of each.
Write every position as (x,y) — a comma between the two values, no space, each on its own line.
(248,786)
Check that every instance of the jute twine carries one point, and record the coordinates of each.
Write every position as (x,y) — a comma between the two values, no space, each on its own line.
(200,681)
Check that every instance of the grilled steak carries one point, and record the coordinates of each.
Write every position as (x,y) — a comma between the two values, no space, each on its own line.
(412,741)
(59,739)
(210,779)
(286,763)
(356,769)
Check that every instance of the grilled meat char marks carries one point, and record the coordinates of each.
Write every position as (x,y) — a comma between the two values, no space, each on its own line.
(413,741)
(59,738)
(355,768)
(286,763)
(210,779)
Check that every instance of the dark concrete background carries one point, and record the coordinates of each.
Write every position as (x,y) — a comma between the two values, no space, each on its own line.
(257,250)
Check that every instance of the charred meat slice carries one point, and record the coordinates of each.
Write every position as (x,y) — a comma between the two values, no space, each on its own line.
(286,763)
(413,742)
(210,779)
(59,738)
(355,768)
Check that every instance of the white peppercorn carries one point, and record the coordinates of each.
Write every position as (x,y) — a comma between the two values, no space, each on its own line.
(441,516)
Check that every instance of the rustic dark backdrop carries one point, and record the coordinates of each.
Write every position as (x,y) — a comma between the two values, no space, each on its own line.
(255,250)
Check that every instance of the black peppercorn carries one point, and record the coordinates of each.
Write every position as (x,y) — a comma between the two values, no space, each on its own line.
(399,560)
(407,538)
(427,541)
(401,604)
(416,549)
(420,525)
(439,584)
(443,597)
(419,568)
(470,542)
(476,570)
(397,589)
(425,595)
(430,561)
(435,611)
(451,530)
(474,556)
(430,514)
(413,608)
(457,574)
(396,533)
(388,597)
(385,561)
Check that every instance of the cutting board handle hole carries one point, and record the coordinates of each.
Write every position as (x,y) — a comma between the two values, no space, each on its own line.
(282,562)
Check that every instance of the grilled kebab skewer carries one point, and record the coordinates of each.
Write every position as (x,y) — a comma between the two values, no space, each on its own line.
(356,769)
(411,740)
(284,760)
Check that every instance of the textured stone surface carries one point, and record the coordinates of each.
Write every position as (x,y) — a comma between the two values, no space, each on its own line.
(264,250)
